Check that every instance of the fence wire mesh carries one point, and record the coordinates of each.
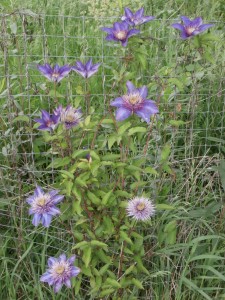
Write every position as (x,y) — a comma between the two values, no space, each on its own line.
(27,39)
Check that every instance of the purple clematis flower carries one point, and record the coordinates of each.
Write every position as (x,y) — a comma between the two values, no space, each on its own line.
(47,121)
(191,28)
(137,18)
(70,116)
(60,271)
(134,102)
(43,206)
(86,70)
(120,32)
(140,208)
(56,73)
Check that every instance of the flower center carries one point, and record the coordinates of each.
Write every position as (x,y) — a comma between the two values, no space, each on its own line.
(55,75)
(121,35)
(133,98)
(41,201)
(49,123)
(141,206)
(59,269)
(70,117)
(190,30)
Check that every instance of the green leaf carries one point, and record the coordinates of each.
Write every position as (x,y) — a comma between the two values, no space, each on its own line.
(177,83)
(165,153)
(123,128)
(111,157)
(106,197)
(67,174)
(23,118)
(81,245)
(125,237)
(152,171)
(176,123)
(106,292)
(111,140)
(164,207)
(99,244)
(104,269)
(87,121)
(94,199)
(80,182)
(59,162)
(113,282)
(80,153)
(130,269)
(137,283)
(87,256)
(136,129)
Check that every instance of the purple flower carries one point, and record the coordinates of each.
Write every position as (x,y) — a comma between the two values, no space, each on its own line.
(191,28)
(120,32)
(56,73)
(70,116)
(43,206)
(137,18)
(60,271)
(134,102)
(47,121)
(86,70)
(140,208)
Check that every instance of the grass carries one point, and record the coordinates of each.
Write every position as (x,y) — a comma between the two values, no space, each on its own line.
(184,248)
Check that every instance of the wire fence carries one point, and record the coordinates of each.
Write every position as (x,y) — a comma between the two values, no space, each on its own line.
(26,39)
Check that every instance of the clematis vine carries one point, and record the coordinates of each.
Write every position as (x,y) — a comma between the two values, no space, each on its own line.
(137,18)
(60,271)
(43,206)
(47,122)
(55,74)
(120,32)
(191,28)
(86,70)
(134,102)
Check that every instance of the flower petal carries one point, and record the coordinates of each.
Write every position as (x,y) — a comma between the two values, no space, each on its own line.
(72,259)
(130,87)
(132,32)
(139,13)
(122,113)
(75,271)
(150,106)
(67,283)
(145,115)
(62,257)
(185,20)
(46,277)
(146,19)
(108,30)
(36,219)
(128,13)
(143,92)
(196,22)
(178,26)
(51,261)
(46,219)
(118,102)
(57,199)
(57,287)
(204,27)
